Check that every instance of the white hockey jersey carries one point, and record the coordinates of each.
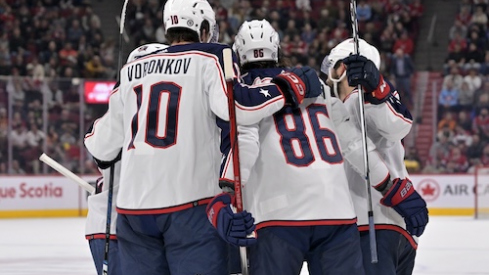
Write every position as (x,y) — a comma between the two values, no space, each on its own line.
(96,222)
(387,124)
(163,116)
(292,169)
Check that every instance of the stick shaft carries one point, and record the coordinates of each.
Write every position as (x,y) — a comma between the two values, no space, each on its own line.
(229,75)
(363,126)
(67,173)
(105,267)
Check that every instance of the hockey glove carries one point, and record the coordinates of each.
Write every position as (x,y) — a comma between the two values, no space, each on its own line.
(232,227)
(297,84)
(408,203)
(362,71)
(106,164)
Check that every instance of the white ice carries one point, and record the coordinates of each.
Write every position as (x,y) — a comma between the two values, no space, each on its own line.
(450,246)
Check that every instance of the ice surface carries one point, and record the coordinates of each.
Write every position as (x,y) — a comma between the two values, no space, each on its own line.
(450,246)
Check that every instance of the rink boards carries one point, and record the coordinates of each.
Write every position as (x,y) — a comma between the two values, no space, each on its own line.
(56,196)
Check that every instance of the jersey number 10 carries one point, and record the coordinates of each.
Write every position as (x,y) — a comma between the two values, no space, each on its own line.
(156,93)
(297,134)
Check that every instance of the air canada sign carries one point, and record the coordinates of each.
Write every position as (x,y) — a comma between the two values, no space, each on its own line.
(449,191)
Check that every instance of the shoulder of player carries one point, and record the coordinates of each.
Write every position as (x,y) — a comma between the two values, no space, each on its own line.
(206,48)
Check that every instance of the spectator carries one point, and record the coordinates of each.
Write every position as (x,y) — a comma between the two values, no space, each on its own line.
(457,40)
(454,78)
(464,15)
(447,121)
(402,68)
(479,17)
(303,5)
(462,138)
(16,169)
(405,43)
(465,121)
(473,57)
(480,124)
(67,54)
(474,151)
(35,70)
(439,151)
(473,79)
(364,11)
(456,162)
(308,34)
(19,139)
(466,96)
(94,68)
(326,22)
(485,155)
(448,98)
(74,32)
(458,27)
(484,70)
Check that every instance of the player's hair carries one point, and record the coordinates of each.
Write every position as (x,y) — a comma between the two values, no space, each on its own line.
(181,34)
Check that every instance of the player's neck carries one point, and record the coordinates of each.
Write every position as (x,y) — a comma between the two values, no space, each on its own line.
(344,90)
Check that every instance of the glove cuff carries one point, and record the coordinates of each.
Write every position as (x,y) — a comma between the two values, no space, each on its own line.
(400,190)
(293,84)
(217,203)
(380,94)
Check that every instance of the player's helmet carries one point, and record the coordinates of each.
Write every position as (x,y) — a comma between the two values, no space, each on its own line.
(343,50)
(189,14)
(145,50)
(256,41)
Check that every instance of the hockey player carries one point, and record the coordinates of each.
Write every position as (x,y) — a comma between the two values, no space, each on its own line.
(97,203)
(96,223)
(399,211)
(293,175)
(163,116)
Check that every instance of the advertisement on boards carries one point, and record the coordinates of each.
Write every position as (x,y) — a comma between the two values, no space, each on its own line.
(450,194)
(41,196)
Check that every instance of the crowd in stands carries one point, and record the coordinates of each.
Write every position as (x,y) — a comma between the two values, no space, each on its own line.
(308,29)
(44,46)
(462,140)
(53,41)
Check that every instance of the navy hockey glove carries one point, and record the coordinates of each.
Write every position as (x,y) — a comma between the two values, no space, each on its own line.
(362,71)
(408,203)
(309,76)
(297,84)
(232,227)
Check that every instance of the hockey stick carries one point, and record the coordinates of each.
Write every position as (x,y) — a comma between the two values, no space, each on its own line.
(105,266)
(363,126)
(229,75)
(67,173)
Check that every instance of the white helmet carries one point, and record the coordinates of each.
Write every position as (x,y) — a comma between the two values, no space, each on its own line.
(343,50)
(189,14)
(256,41)
(145,50)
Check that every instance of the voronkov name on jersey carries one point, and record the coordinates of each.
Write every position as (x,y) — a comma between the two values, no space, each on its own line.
(159,66)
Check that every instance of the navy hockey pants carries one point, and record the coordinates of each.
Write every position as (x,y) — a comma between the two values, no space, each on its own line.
(395,253)
(332,249)
(178,243)
(97,247)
